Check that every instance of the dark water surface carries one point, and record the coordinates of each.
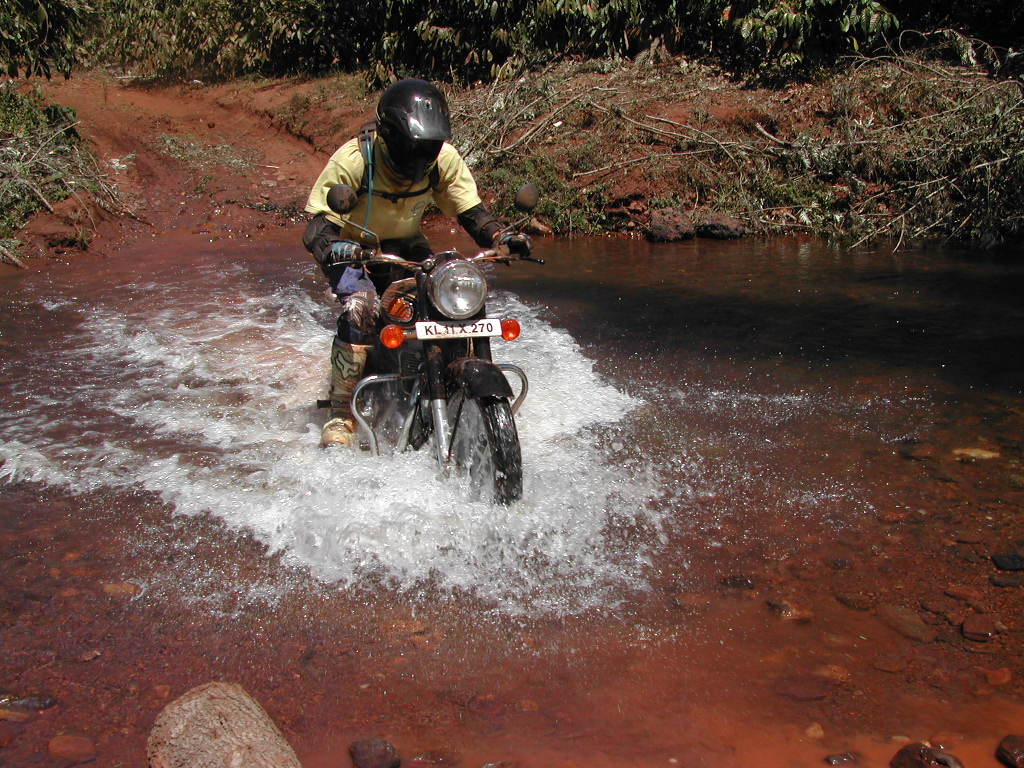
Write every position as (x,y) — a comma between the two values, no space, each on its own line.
(740,458)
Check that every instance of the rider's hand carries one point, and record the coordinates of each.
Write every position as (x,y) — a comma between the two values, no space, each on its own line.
(341,251)
(518,243)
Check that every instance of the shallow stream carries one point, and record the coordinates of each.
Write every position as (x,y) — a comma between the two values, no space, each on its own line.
(711,428)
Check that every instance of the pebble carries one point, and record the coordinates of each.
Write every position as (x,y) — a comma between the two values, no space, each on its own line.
(803,687)
(122,589)
(918,755)
(73,748)
(815,731)
(374,753)
(979,627)
(738,581)
(1010,561)
(975,454)
(998,677)
(1011,751)
(843,758)
(970,596)
(906,622)
(1007,579)
(858,601)
(790,611)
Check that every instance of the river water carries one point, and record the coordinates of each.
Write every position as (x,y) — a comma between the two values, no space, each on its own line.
(710,428)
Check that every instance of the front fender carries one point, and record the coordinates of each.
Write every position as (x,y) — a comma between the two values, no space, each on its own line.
(480,378)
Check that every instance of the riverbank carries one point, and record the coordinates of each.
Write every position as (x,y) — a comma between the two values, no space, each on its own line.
(895,148)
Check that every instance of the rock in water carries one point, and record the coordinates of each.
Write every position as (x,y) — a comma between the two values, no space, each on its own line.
(1011,751)
(374,753)
(906,622)
(670,226)
(216,725)
(72,748)
(920,755)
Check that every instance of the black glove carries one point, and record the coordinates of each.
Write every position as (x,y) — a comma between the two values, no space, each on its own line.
(341,250)
(518,243)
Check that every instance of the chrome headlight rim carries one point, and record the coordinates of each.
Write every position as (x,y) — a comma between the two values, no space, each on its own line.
(452,287)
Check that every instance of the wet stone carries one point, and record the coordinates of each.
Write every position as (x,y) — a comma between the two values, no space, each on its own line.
(906,622)
(918,755)
(1011,561)
(669,226)
(374,753)
(719,226)
(972,597)
(979,627)
(789,611)
(72,747)
(803,687)
(738,581)
(1011,751)
(843,758)
(858,601)
(998,677)
(1007,579)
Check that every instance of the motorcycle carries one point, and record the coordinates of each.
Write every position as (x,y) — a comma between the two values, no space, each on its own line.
(430,377)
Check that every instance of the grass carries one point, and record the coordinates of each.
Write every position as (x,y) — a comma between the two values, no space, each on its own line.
(42,161)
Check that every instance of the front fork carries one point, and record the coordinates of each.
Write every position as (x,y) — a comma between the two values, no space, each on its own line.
(438,398)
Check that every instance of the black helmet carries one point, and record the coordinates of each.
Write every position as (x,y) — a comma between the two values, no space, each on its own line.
(412,118)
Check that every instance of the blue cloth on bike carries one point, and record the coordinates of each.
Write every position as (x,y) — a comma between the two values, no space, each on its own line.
(354,279)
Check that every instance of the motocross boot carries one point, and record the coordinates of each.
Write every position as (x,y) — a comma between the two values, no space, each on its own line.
(347,364)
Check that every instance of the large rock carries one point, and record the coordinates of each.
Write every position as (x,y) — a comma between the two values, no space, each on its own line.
(906,622)
(918,755)
(1011,751)
(718,226)
(374,753)
(217,725)
(669,226)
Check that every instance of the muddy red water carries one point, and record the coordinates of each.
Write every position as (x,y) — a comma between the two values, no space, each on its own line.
(808,461)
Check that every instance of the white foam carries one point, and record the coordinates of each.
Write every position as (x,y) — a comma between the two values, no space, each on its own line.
(208,402)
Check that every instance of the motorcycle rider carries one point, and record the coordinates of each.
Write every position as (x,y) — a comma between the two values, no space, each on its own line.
(398,165)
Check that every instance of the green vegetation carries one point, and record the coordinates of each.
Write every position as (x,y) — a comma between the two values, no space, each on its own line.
(472,40)
(38,35)
(42,162)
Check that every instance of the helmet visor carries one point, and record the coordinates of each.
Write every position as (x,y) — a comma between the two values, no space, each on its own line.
(411,158)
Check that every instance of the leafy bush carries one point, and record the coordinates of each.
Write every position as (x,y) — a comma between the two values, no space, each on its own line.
(468,40)
(792,34)
(36,35)
(41,161)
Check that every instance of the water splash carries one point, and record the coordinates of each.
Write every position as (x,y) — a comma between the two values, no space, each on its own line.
(208,403)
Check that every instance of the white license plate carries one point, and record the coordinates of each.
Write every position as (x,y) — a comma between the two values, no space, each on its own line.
(487,327)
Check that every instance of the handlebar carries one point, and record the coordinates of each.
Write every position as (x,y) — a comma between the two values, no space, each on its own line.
(500,255)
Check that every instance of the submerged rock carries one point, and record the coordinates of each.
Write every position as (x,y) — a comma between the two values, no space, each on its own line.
(1011,751)
(918,755)
(906,622)
(374,753)
(843,758)
(979,627)
(1010,561)
(74,748)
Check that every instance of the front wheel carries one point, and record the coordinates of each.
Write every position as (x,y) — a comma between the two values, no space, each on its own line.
(485,446)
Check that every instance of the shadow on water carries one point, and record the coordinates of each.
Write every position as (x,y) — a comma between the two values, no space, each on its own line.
(940,312)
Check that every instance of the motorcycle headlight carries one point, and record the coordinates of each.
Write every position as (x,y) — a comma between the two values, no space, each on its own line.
(458,289)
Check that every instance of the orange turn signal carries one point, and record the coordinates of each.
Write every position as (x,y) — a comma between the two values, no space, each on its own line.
(510,329)
(392,336)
